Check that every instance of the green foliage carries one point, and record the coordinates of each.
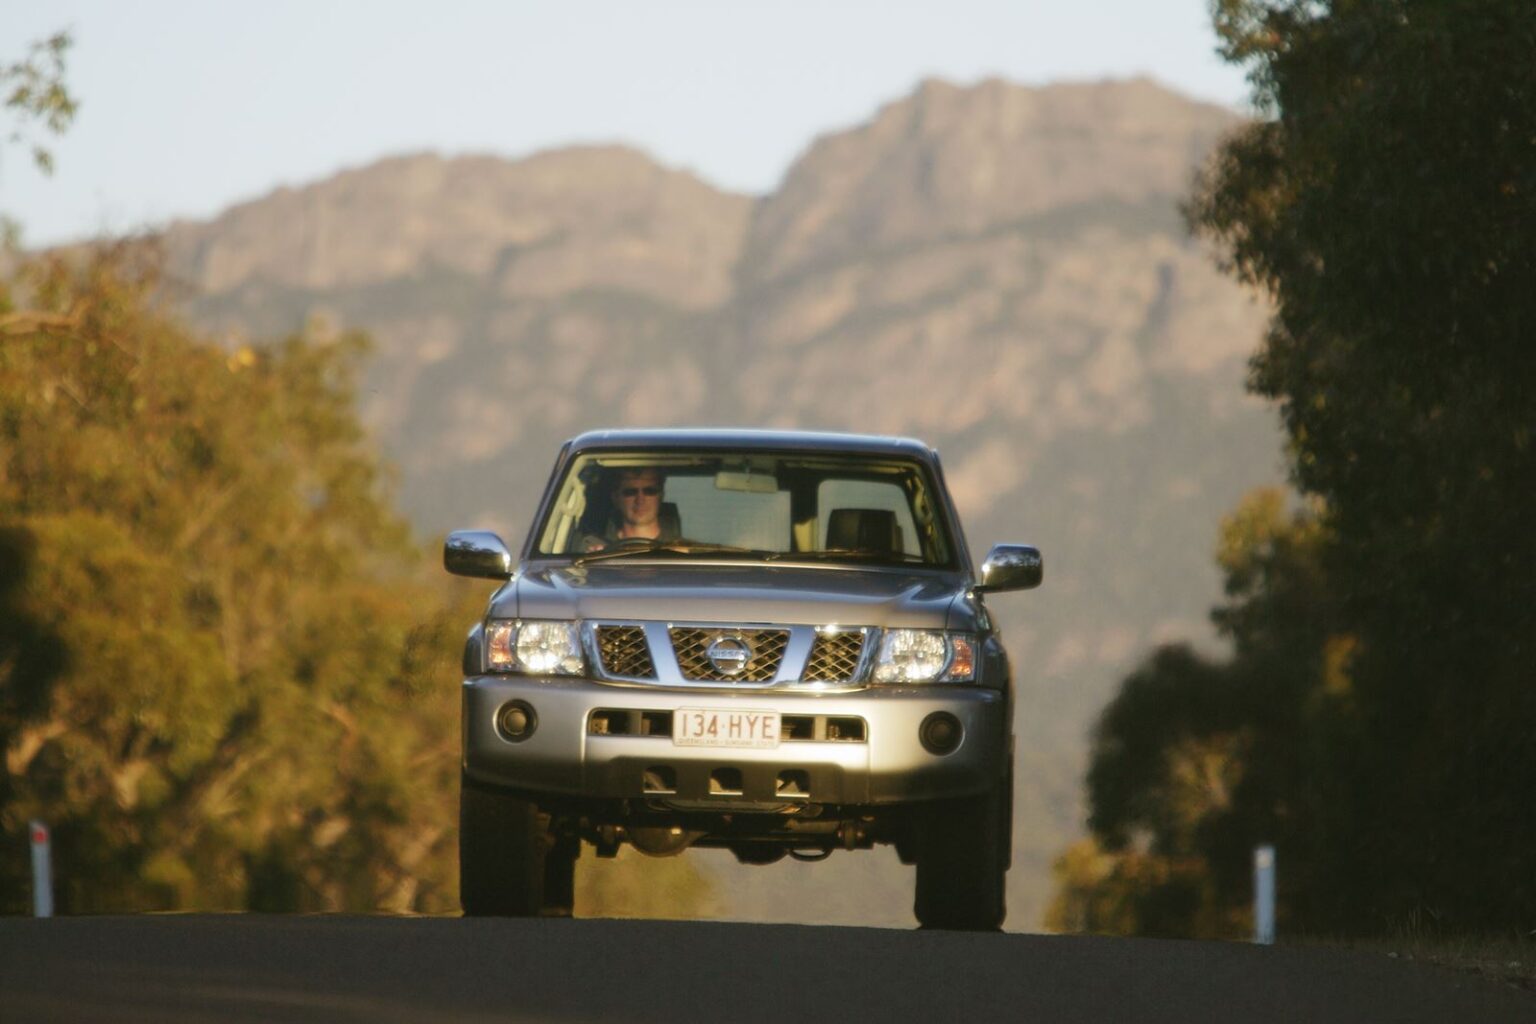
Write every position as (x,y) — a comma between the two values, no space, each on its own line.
(34,90)
(1389,208)
(1131,892)
(225,676)
(1195,762)
(1382,733)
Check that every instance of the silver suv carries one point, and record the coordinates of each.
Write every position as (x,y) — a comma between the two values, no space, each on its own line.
(768,642)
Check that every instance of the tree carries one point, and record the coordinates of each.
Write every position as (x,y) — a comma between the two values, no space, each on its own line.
(228,680)
(1386,204)
(1197,761)
(35,91)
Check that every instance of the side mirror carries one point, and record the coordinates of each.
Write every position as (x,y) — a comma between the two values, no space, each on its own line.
(477,553)
(1012,567)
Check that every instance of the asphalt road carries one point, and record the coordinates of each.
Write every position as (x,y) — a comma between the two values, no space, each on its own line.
(248,968)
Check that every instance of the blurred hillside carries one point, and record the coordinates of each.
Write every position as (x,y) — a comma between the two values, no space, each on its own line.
(999,270)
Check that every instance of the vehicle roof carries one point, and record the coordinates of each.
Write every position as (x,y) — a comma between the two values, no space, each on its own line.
(761,440)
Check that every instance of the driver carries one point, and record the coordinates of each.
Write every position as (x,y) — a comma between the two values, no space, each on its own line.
(637,498)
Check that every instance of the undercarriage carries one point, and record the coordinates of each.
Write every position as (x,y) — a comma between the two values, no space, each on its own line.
(756,832)
(518,852)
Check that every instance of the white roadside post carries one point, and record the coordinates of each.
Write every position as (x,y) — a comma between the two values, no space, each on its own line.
(42,874)
(1264,895)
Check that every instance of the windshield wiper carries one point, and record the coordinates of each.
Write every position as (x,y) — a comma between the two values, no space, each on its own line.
(673,547)
(845,554)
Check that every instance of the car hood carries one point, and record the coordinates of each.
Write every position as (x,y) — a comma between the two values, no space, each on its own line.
(786,595)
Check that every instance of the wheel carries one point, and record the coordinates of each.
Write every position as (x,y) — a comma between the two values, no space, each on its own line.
(502,847)
(962,856)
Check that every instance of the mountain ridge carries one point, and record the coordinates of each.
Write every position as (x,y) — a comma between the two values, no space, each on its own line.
(485,213)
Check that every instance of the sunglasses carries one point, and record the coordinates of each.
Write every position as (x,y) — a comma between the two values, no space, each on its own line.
(634,492)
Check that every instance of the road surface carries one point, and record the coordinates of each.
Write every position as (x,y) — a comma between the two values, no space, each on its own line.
(261,968)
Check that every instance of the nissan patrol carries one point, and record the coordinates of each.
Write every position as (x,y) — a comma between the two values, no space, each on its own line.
(770,642)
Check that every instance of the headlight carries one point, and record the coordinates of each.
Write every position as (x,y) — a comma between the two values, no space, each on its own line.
(925,656)
(536,648)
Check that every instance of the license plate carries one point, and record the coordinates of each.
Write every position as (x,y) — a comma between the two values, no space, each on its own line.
(709,727)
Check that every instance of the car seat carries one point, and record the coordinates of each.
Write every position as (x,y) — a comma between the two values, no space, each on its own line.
(864,529)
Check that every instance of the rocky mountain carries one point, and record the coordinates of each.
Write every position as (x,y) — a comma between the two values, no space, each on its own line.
(999,270)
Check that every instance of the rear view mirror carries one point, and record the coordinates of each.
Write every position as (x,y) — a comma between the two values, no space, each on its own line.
(477,553)
(1012,567)
(755,483)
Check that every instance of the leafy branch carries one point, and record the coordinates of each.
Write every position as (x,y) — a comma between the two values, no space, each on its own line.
(34,90)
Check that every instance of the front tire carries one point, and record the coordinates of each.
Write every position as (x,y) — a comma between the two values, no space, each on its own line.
(962,857)
(502,852)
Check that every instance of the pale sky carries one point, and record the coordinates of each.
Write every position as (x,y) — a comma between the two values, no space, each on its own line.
(188,106)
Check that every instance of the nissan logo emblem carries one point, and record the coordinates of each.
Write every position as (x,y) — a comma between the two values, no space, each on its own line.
(729,655)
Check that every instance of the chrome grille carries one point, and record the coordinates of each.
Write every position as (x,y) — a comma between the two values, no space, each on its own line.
(624,652)
(691,645)
(834,657)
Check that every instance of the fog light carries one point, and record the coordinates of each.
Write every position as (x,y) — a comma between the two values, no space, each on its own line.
(940,733)
(516,721)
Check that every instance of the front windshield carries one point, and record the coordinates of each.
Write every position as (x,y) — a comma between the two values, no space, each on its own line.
(748,505)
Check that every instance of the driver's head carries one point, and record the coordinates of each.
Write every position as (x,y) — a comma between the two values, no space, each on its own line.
(637,496)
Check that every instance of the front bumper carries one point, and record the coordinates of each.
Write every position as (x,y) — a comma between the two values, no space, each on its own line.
(888,766)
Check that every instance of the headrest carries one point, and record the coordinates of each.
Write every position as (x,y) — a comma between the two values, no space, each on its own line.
(864,529)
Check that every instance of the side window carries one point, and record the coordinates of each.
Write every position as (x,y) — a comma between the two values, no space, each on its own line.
(741,519)
(836,494)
